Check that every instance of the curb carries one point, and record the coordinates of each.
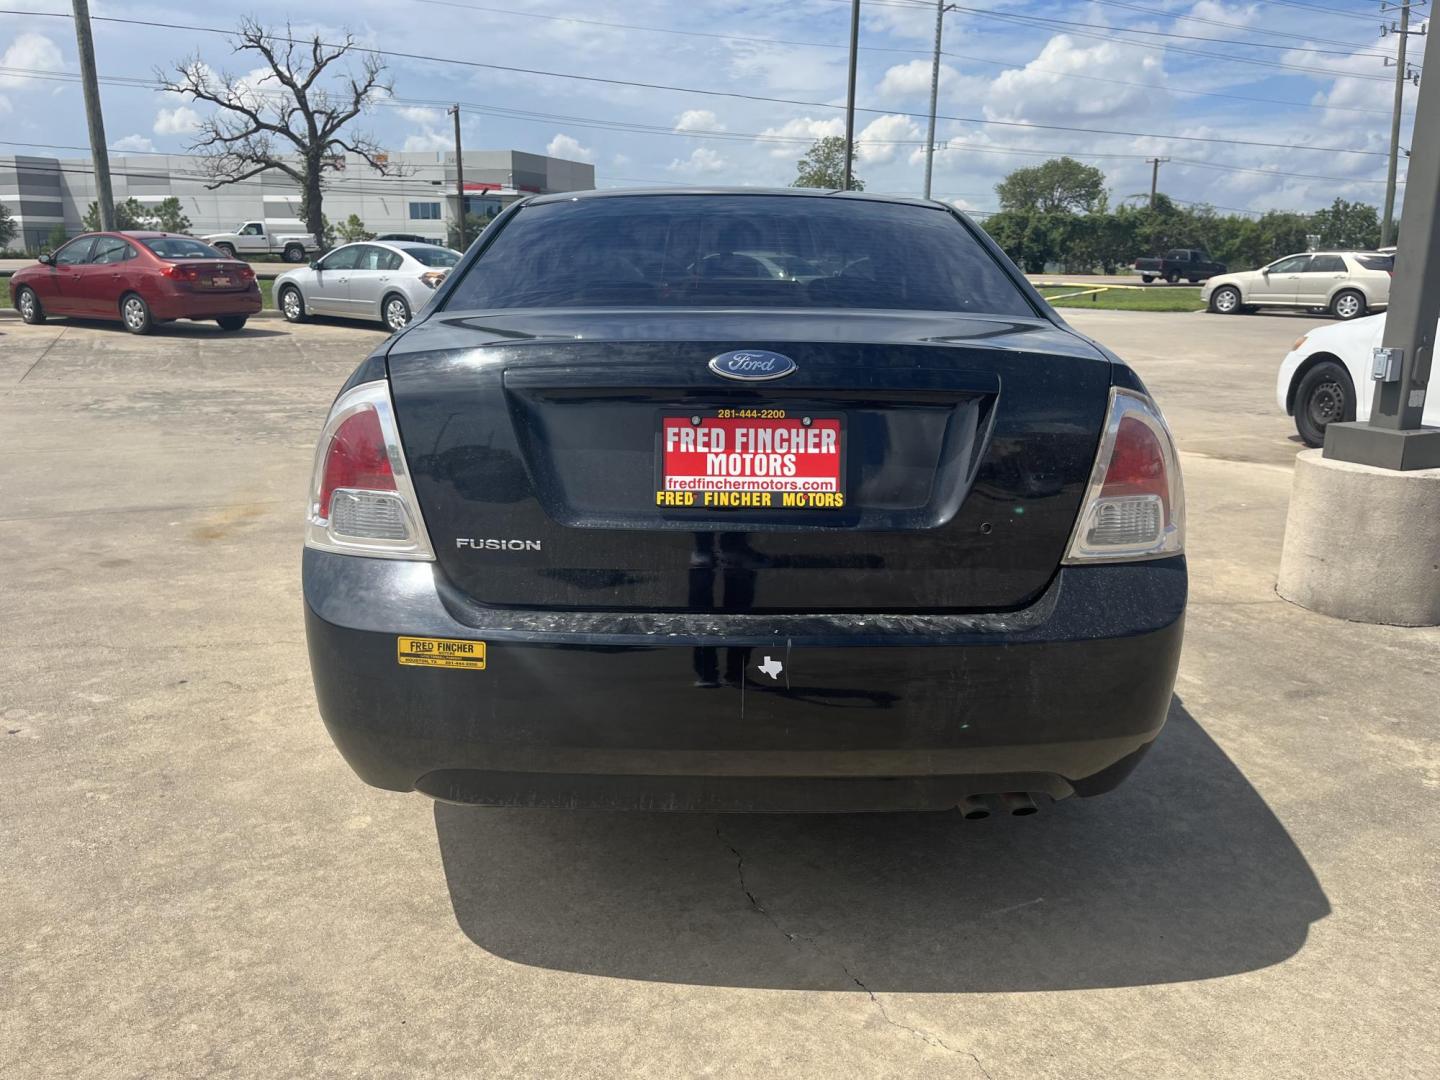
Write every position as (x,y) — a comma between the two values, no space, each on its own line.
(11,313)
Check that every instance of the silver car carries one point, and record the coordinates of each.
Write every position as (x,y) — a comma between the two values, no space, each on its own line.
(388,282)
(1348,284)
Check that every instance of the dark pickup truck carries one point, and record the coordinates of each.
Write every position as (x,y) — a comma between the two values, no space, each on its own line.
(1192,264)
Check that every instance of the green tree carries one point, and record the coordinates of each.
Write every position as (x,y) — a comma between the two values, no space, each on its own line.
(129,214)
(1059,184)
(1347,225)
(352,229)
(57,236)
(8,228)
(474,226)
(167,216)
(823,166)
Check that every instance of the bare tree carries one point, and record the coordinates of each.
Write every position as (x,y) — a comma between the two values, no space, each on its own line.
(283,120)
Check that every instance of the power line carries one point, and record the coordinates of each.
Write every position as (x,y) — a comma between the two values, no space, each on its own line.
(1079,29)
(1087,30)
(1230,26)
(704,92)
(749,39)
(1322,10)
(1167,89)
(941,148)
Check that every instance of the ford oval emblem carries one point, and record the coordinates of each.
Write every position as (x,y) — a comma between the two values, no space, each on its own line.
(752,365)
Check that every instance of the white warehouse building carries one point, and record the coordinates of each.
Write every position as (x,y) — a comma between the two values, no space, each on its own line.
(43,192)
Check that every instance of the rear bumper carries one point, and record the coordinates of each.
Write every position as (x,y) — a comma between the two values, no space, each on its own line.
(673,712)
(176,304)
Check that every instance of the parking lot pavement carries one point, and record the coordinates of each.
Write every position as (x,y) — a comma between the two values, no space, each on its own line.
(194,884)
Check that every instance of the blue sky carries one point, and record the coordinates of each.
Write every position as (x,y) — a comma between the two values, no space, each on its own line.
(1280,72)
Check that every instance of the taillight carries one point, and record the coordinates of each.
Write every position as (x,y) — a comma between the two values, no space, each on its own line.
(181,271)
(362,501)
(433,278)
(246,274)
(1134,507)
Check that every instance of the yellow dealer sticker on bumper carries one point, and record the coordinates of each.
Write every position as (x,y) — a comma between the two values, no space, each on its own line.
(440,652)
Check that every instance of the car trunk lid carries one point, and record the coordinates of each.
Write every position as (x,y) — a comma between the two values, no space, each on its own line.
(538,443)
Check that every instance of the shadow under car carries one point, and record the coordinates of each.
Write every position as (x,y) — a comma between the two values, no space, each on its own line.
(1183,873)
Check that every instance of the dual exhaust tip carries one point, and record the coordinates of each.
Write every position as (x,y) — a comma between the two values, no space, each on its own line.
(1013,803)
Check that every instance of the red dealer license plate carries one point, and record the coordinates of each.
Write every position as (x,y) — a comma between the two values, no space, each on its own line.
(751,459)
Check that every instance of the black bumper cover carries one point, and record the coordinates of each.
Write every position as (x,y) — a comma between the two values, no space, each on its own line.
(673,712)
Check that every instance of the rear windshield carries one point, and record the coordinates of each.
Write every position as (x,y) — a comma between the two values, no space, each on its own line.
(180,247)
(433,256)
(737,250)
(1376,262)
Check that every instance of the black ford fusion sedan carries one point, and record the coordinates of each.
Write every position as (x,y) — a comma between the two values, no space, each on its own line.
(743,500)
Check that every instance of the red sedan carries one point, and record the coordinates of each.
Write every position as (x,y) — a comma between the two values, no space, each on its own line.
(139,279)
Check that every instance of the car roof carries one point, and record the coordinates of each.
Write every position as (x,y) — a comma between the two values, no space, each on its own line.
(404,245)
(793,193)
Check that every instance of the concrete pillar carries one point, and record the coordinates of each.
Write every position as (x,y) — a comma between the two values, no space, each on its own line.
(1363,543)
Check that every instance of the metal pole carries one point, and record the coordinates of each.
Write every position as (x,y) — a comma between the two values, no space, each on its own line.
(1393,438)
(934,94)
(459,178)
(850,96)
(1386,233)
(1154,179)
(85,45)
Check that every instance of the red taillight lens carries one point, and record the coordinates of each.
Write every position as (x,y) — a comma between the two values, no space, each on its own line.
(362,499)
(1134,507)
(1137,464)
(246,274)
(356,458)
(180,272)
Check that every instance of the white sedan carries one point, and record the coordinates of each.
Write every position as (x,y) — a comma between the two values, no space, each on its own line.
(1326,377)
(368,280)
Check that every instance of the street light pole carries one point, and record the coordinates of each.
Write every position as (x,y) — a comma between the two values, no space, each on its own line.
(1155,163)
(850,97)
(1393,438)
(934,94)
(1387,219)
(99,156)
(454,111)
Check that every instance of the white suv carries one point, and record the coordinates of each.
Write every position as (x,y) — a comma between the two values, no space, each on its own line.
(1348,284)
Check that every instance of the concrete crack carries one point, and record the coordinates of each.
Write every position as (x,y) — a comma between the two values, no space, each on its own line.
(924,1036)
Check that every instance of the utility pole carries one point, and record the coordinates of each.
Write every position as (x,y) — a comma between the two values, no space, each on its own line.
(1400,369)
(1401,74)
(850,96)
(1155,163)
(940,8)
(85,45)
(459,178)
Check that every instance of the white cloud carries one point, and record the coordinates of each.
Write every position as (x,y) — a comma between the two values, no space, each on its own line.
(419,115)
(427,141)
(875,142)
(908,80)
(1041,90)
(181,120)
(1218,11)
(138,143)
(566,146)
(702,161)
(30,53)
(698,120)
(5,105)
(803,128)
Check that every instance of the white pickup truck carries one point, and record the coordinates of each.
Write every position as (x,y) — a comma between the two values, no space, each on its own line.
(260,238)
